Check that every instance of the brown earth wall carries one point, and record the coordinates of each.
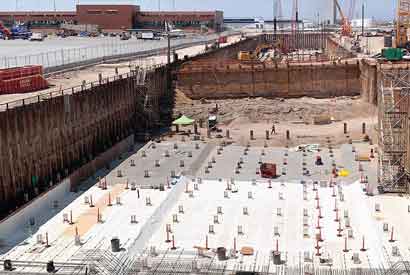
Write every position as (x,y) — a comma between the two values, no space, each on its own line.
(320,80)
(369,79)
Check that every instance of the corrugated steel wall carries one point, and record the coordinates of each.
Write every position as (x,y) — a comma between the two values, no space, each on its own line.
(300,40)
(42,142)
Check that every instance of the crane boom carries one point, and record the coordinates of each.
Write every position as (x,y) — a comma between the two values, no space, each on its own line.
(340,9)
(346,26)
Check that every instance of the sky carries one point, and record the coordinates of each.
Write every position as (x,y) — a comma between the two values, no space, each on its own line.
(378,9)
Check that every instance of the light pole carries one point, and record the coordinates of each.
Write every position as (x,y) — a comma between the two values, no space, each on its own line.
(363,20)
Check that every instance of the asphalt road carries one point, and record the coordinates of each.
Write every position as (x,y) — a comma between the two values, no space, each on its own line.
(56,51)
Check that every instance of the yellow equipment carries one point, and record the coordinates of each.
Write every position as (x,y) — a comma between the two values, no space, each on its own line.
(343,173)
(245,56)
(346,26)
(403,24)
(249,55)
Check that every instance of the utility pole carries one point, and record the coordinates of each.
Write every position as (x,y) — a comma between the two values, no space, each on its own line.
(274,15)
(54,3)
(169,49)
(363,20)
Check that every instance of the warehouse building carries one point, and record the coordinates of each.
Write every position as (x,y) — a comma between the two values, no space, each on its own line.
(194,20)
(117,17)
(39,18)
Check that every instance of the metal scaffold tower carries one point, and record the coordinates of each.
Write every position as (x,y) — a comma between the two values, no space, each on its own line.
(393,124)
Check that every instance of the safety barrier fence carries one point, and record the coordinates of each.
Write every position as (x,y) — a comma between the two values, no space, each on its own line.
(57,59)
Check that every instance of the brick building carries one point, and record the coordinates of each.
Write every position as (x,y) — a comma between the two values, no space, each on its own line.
(181,19)
(117,17)
(108,17)
(39,18)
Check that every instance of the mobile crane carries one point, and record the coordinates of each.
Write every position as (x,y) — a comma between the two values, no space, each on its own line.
(346,25)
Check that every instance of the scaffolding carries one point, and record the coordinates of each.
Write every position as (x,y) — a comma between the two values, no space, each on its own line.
(393,125)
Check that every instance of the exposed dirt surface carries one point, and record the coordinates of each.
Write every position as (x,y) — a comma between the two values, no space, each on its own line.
(296,115)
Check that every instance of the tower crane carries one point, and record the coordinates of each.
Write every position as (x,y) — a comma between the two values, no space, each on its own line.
(403,24)
(346,26)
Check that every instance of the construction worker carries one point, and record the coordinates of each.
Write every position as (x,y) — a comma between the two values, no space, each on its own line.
(273,129)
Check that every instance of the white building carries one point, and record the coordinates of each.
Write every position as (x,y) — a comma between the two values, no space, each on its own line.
(357,23)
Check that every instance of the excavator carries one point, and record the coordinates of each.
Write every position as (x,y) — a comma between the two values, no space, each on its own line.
(253,55)
(259,52)
(346,25)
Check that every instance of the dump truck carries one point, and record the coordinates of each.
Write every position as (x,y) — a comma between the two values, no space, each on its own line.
(268,170)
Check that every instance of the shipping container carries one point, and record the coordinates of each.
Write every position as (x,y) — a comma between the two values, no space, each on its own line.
(223,39)
(22,80)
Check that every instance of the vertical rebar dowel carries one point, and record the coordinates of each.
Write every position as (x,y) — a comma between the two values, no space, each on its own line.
(71,217)
(47,244)
(91,201)
(345,248)
(173,243)
(392,235)
(363,245)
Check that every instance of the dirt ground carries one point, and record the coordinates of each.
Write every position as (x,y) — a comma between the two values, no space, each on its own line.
(293,115)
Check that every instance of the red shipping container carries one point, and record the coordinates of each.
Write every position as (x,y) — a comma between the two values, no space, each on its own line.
(19,72)
(223,39)
(22,80)
(23,85)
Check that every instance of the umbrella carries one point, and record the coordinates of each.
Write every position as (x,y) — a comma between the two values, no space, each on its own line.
(183,121)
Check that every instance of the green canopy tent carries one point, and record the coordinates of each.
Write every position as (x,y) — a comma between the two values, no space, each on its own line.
(183,121)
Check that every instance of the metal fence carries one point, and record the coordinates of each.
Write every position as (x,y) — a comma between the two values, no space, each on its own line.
(115,48)
(139,75)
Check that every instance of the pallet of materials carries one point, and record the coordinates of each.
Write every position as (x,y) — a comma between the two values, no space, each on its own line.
(22,80)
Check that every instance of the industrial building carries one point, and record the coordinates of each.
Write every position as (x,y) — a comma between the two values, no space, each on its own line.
(117,18)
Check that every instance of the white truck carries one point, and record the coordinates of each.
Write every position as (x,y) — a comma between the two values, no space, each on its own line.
(147,36)
(36,36)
